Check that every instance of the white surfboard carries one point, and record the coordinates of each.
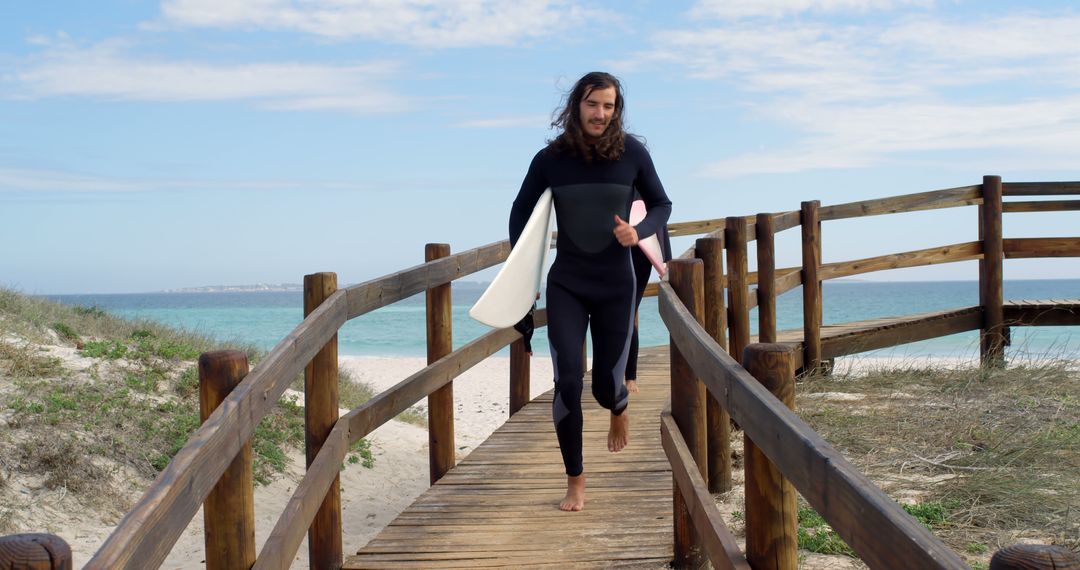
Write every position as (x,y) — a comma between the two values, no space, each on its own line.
(650,246)
(514,289)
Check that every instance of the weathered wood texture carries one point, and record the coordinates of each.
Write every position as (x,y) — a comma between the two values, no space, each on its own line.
(786,220)
(287,535)
(229,510)
(1041,189)
(370,295)
(766,289)
(952,197)
(1035,557)
(869,521)
(862,336)
(991,289)
(1062,312)
(34,552)
(440,342)
(918,258)
(519,376)
(718,424)
(688,407)
(1041,247)
(719,544)
(811,282)
(499,506)
(320,415)
(1041,206)
(150,529)
(771,516)
(738,287)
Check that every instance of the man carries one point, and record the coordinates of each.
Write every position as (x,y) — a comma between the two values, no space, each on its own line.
(593,169)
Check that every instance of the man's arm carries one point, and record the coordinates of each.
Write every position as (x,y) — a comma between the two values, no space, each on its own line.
(532,187)
(652,192)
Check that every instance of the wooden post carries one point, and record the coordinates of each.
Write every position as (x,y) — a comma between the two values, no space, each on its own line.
(229,509)
(738,288)
(439,344)
(771,516)
(1035,557)
(766,283)
(519,376)
(811,286)
(717,421)
(992,337)
(35,552)
(688,407)
(320,415)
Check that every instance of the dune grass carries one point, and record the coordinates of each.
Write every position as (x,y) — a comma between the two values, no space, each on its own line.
(984,457)
(124,414)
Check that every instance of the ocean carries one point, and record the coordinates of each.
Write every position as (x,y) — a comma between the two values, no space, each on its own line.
(262,318)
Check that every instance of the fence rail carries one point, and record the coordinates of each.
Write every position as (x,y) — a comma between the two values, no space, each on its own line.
(871,523)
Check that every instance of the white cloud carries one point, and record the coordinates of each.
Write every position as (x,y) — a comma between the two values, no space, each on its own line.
(732,9)
(425,23)
(111,71)
(856,95)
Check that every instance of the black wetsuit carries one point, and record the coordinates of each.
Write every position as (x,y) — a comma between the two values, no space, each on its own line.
(592,278)
(642,269)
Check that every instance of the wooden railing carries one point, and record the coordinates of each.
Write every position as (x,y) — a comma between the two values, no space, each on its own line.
(754,383)
(700,459)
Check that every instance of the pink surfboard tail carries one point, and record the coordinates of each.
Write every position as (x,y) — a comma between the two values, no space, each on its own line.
(650,246)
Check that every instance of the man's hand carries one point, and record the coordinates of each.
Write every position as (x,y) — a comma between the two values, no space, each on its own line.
(625,233)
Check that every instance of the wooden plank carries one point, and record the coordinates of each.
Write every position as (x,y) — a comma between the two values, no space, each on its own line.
(787,279)
(811,281)
(1041,188)
(370,295)
(1041,206)
(1042,313)
(874,525)
(786,220)
(720,545)
(688,406)
(320,415)
(694,228)
(738,288)
(287,535)
(440,342)
(917,258)
(949,198)
(991,289)
(498,507)
(1016,248)
(149,530)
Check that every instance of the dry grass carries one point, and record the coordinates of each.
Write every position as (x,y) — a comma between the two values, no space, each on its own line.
(997,451)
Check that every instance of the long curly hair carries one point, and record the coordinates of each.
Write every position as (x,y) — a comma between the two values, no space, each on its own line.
(572,138)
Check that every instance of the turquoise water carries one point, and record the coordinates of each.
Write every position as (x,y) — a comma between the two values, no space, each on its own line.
(264,318)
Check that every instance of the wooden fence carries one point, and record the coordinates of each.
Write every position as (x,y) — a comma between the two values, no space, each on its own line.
(710,340)
(754,383)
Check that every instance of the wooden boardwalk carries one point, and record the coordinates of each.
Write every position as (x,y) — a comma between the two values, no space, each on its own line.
(498,508)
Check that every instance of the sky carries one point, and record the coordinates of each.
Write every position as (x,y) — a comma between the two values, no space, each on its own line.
(183,143)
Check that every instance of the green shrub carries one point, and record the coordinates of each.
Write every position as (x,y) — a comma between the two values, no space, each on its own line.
(65,332)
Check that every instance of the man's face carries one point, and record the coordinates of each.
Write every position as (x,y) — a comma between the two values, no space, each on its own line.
(596,110)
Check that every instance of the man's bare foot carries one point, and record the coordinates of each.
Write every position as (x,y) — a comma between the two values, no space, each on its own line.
(619,433)
(575,494)
(631,386)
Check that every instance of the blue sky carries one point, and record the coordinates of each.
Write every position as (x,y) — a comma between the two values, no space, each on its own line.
(153,145)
